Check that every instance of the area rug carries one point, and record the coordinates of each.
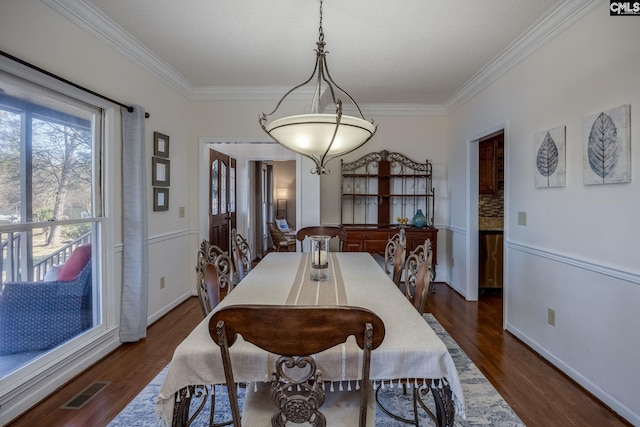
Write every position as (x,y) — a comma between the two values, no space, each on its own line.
(484,406)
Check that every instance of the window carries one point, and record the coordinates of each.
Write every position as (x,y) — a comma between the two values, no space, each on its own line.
(50,206)
(215,178)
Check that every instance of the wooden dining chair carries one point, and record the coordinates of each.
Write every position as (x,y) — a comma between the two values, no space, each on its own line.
(295,333)
(417,279)
(418,275)
(394,256)
(214,276)
(214,272)
(241,255)
(323,230)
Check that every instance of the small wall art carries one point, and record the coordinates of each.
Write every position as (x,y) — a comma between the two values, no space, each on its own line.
(160,145)
(161,171)
(160,199)
(551,170)
(607,147)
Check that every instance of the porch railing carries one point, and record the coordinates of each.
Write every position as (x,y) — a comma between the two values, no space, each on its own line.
(10,250)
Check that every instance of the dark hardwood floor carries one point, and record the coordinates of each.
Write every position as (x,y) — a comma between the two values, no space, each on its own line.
(539,393)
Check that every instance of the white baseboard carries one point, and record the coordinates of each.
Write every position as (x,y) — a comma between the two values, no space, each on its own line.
(167,308)
(606,398)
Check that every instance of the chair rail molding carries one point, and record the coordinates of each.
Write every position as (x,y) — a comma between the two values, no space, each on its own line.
(573,261)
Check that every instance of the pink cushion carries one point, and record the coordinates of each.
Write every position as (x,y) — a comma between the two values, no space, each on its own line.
(76,262)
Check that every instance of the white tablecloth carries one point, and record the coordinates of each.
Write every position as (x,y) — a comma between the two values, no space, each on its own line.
(410,348)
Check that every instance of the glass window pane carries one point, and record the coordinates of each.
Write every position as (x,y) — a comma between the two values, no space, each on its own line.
(223,187)
(214,187)
(10,141)
(61,171)
(232,189)
(48,222)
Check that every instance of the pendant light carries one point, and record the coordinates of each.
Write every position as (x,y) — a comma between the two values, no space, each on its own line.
(316,135)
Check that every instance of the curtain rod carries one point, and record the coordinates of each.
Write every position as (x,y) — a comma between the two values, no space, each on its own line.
(13,58)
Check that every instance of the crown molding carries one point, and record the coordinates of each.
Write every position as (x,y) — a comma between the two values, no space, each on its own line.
(399,110)
(91,19)
(558,19)
(95,22)
(248,93)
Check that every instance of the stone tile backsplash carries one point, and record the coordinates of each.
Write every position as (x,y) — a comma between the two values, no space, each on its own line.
(492,205)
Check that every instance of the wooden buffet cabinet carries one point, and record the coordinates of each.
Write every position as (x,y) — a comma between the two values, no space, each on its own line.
(374,239)
(376,190)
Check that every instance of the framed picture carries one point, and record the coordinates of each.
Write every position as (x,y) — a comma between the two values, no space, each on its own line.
(160,199)
(160,145)
(607,147)
(161,172)
(551,170)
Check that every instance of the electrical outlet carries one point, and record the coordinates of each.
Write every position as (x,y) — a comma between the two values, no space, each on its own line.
(551,316)
(181,212)
(522,218)
(162,282)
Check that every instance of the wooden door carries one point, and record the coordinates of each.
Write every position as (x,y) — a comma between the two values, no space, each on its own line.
(222,198)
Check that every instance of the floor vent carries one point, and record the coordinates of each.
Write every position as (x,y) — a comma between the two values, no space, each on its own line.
(86,395)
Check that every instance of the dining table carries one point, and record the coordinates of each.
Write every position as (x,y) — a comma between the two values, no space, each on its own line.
(410,353)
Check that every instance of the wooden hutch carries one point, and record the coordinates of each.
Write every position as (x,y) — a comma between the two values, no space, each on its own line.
(376,190)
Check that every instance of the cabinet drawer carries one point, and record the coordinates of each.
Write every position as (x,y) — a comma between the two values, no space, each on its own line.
(353,246)
(375,245)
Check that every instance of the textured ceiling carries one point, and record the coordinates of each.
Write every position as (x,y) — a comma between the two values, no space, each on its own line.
(381,52)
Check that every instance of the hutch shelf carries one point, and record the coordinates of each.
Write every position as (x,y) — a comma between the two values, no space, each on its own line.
(379,188)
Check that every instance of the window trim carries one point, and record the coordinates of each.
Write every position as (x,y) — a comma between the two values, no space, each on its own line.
(63,363)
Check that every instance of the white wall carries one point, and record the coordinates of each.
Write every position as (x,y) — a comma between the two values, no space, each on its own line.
(578,254)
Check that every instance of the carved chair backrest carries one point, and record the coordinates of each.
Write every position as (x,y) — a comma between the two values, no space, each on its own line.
(241,255)
(323,230)
(295,333)
(394,256)
(418,268)
(207,280)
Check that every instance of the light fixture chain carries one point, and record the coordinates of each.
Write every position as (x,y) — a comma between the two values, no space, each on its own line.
(315,135)
(320,30)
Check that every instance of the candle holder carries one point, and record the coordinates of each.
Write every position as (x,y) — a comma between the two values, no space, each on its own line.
(319,258)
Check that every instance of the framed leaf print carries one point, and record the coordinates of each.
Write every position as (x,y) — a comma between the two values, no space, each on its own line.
(551,170)
(607,147)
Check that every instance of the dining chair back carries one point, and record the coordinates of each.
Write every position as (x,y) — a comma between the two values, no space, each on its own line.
(394,256)
(418,275)
(214,276)
(323,230)
(295,333)
(241,255)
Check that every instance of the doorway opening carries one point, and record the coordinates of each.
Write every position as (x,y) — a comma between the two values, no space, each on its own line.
(491,213)
(273,197)
(245,152)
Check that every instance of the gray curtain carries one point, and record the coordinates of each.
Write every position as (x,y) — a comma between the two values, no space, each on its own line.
(135,264)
